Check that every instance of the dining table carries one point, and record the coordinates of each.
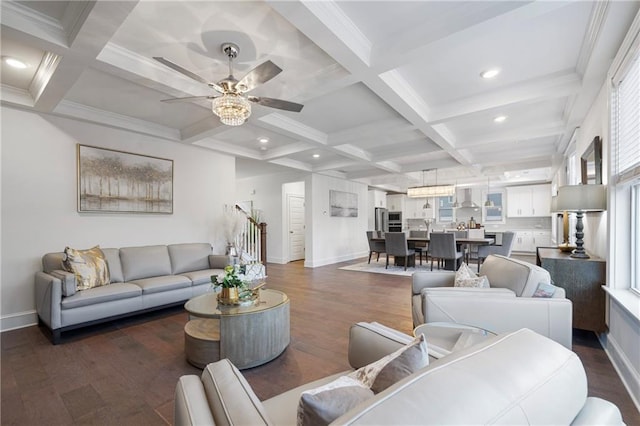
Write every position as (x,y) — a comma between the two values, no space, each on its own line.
(449,264)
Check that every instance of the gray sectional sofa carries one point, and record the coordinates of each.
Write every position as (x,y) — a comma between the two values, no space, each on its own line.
(142,279)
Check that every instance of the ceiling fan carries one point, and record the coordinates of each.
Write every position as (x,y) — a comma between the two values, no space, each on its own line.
(233,106)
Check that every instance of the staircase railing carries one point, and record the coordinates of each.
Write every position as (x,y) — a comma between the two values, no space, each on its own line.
(253,239)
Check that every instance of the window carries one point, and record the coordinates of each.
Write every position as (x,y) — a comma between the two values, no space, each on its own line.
(446,212)
(625,176)
(495,214)
(635,241)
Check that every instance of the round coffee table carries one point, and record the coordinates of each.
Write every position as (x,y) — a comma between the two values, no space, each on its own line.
(248,335)
(444,338)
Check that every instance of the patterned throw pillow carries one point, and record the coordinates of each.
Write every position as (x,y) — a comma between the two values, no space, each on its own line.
(323,405)
(394,367)
(465,277)
(89,266)
(544,290)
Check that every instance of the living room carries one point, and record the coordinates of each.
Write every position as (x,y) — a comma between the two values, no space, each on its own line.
(91,97)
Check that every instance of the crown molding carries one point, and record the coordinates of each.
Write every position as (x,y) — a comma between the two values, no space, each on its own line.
(596,20)
(26,20)
(295,128)
(10,95)
(43,74)
(86,113)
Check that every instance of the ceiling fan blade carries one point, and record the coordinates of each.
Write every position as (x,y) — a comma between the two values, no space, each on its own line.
(277,103)
(257,76)
(186,99)
(181,70)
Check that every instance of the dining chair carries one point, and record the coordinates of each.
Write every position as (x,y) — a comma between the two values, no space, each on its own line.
(396,246)
(442,246)
(375,246)
(473,248)
(419,247)
(463,248)
(504,249)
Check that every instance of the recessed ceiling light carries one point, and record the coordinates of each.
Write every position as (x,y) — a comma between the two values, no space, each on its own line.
(263,140)
(15,63)
(490,73)
(316,155)
(500,118)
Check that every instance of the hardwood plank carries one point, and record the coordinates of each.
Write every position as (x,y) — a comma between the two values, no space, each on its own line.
(125,372)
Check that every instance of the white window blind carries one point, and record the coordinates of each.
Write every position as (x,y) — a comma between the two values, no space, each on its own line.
(626,123)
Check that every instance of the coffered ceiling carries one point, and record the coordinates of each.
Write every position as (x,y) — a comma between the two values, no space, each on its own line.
(389,88)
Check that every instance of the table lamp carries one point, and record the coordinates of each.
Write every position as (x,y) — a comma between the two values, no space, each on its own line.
(564,246)
(581,199)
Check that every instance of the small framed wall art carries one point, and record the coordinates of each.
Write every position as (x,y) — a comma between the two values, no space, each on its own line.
(343,204)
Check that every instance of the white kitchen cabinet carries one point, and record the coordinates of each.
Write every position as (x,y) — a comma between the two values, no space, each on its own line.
(527,241)
(414,209)
(529,201)
(395,202)
(523,241)
(541,239)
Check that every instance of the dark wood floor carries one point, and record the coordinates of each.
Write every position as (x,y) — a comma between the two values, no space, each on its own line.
(125,372)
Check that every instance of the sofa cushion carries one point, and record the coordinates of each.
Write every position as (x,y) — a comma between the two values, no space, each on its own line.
(323,405)
(521,277)
(107,293)
(189,257)
(113,260)
(388,370)
(203,276)
(160,284)
(89,266)
(144,262)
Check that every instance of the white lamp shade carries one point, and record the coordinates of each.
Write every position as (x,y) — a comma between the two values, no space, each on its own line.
(582,198)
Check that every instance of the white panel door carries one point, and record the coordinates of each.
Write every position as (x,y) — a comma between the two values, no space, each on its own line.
(296,227)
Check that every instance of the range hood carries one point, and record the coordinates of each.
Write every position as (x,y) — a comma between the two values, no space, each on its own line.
(468,202)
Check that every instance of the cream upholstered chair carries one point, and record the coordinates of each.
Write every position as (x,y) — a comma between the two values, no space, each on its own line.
(375,246)
(396,246)
(442,246)
(503,250)
(513,300)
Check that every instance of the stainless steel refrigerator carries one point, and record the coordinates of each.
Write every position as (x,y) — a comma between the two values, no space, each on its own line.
(382,219)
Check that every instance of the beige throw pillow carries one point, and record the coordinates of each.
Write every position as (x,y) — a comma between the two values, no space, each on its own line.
(465,277)
(392,368)
(323,405)
(89,266)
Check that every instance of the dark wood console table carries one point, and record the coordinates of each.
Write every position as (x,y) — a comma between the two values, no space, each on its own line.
(582,280)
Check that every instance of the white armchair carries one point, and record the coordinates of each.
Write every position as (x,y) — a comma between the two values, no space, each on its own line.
(507,306)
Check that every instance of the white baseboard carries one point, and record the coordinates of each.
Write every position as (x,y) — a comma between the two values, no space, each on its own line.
(331,261)
(18,320)
(624,367)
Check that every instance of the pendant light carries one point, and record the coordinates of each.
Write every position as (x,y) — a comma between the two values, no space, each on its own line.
(488,203)
(456,204)
(426,199)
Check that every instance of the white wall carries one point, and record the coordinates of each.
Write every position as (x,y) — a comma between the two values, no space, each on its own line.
(334,239)
(39,208)
(266,192)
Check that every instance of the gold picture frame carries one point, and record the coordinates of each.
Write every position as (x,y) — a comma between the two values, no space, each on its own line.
(111,181)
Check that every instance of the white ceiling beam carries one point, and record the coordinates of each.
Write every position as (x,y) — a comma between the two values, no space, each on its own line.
(548,87)
(283,151)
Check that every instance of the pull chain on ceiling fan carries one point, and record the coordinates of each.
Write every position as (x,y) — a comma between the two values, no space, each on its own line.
(233,106)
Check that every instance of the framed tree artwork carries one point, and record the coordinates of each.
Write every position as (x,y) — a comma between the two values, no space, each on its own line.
(122,182)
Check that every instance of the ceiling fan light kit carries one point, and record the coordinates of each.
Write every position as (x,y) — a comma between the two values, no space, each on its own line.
(232,109)
(232,106)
